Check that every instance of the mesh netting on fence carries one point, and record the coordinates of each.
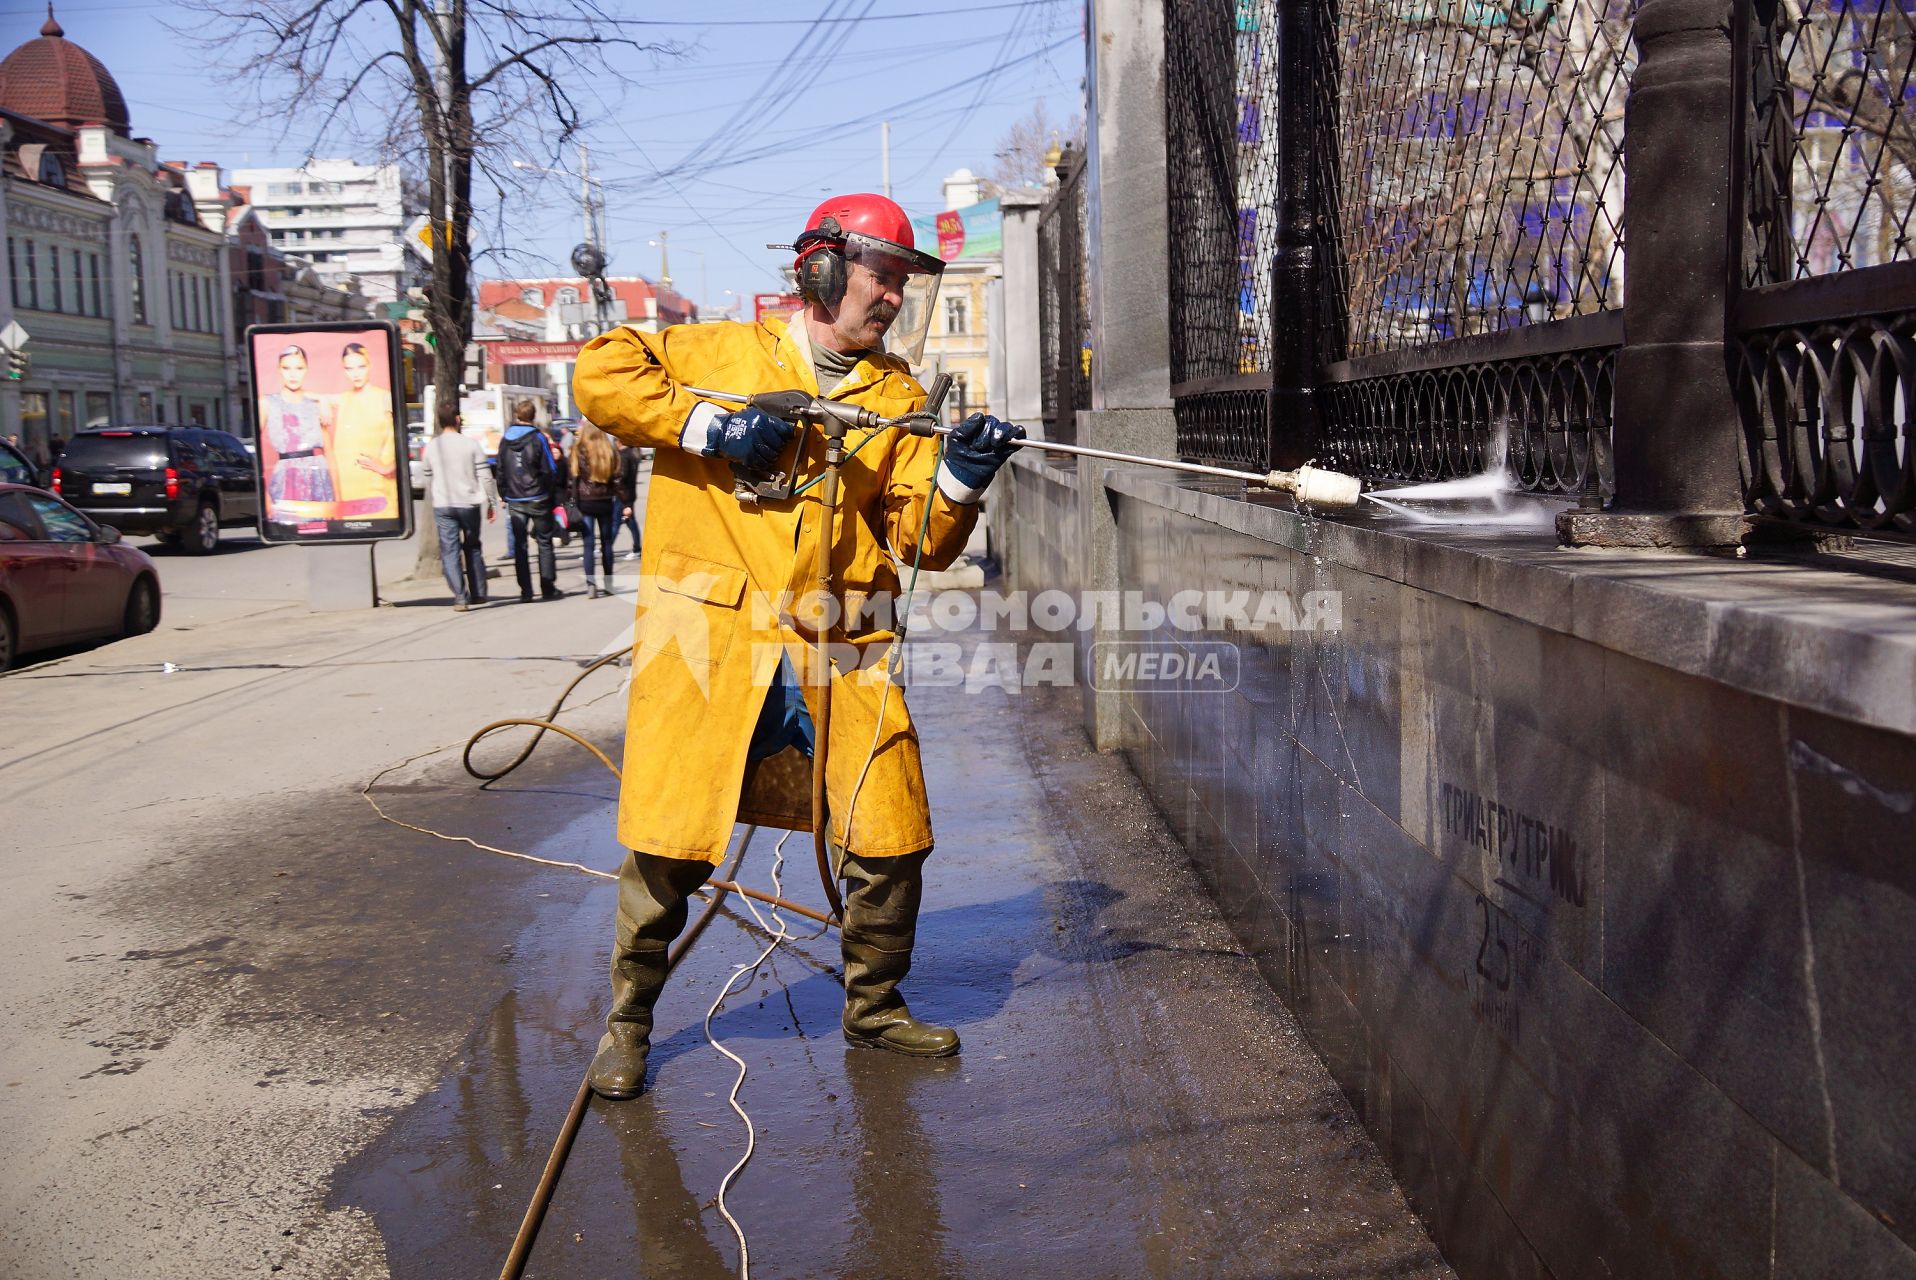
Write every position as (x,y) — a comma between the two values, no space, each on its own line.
(1832,148)
(1481,175)
(1221,145)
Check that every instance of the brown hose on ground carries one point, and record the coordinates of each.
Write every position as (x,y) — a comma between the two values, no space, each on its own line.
(543,725)
(562,1146)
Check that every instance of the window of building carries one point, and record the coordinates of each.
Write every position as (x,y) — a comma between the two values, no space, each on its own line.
(33,422)
(199,304)
(99,409)
(957,316)
(33,275)
(93,272)
(146,406)
(197,413)
(536,297)
(567,296)
(13,268)
(55,301)
(79,286)
(64,424)
(136,280)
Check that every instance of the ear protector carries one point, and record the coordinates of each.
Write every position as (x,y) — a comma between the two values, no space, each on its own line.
(821,263)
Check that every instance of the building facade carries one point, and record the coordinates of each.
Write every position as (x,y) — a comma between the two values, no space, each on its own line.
(969,237)
(131,278)
(561,310)
(347,219)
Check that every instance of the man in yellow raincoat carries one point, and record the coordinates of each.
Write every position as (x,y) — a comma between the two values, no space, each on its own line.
(719,729)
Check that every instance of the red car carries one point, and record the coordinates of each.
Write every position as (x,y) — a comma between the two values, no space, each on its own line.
(64,579)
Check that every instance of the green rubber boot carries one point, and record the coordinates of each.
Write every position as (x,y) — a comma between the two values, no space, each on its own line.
(881,924)
(652,911)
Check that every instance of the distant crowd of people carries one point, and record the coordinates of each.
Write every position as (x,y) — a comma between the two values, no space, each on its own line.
(550,485)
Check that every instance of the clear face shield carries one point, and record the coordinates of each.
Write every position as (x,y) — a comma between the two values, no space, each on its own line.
(877,271)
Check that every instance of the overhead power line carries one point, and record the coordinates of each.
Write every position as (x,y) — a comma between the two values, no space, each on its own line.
(967,11)
(772,146)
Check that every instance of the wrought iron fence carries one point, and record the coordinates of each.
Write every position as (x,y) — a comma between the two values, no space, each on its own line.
(1826,408)
(1397,242)
(1544,420)
(1826,324)
(1465,165)
(1225,428)
(1064,314)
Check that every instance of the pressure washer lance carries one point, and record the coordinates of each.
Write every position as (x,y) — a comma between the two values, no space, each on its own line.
(1312,486)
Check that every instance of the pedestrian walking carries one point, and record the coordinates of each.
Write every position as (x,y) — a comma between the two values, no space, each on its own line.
(531,479)
(561,445)
(604,483)
(714,697)
(631,520)
(458,482)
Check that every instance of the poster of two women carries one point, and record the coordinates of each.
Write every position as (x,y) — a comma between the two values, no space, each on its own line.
(331,409)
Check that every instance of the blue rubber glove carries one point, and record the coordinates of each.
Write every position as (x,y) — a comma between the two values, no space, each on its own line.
(751,438)
(978,446)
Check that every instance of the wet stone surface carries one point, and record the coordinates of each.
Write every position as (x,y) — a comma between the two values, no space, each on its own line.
(1131,1099)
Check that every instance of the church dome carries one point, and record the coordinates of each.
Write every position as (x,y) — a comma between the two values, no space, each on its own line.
(55,80)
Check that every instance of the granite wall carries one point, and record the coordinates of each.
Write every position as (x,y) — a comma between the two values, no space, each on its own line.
(1593,877)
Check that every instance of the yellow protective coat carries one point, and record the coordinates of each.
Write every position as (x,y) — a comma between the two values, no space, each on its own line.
(719,578)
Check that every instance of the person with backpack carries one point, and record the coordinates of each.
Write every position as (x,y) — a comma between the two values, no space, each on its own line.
(604,483)
(531,479)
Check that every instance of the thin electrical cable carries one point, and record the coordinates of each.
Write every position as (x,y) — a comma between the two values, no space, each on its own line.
(898,640)
(776,89)
(528,1233)
(977,99)
(781,145)
(772,22)
(778,935)
(809,484)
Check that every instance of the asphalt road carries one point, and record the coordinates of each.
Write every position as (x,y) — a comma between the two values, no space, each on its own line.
(251,1028)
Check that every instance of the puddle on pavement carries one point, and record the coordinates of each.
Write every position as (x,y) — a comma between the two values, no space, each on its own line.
(866,1162)
(1065,1140)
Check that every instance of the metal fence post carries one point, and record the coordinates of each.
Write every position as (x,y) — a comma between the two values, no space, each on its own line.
(1298,266)
(1677,430)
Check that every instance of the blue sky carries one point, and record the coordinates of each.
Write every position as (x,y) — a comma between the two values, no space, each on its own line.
(951,78)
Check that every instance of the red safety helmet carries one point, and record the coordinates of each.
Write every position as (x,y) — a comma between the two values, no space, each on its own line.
(865,224)
(872,229)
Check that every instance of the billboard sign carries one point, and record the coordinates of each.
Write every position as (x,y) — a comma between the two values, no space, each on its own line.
(782,306)
(973,232)
(331,412)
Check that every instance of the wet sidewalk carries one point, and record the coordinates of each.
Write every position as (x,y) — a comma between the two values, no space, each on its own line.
(1131,1100)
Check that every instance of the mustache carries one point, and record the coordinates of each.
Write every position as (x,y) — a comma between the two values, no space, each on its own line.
(883,313)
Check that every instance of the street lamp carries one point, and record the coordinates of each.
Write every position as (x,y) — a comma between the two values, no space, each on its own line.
(665,265)
(589,258)
(588,206)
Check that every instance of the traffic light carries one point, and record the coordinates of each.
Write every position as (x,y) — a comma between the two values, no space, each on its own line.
(18,362)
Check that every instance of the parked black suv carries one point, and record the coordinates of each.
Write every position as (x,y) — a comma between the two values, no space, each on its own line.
(180,483)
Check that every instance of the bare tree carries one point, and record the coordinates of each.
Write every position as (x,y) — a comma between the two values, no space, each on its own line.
(471,83)
(1019,160)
